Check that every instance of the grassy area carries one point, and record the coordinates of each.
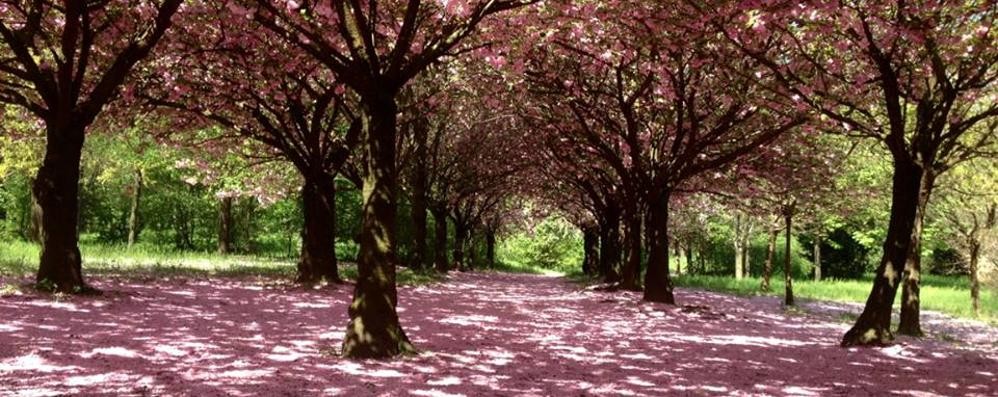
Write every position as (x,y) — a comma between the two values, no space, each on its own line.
(950,295)
(20,259)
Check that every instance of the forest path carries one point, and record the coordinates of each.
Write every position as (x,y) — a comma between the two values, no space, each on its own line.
(484,333)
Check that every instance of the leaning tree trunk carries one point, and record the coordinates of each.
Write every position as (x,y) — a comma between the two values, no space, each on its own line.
(590,250)
(788,275)
(225,223)
(817,257)
(910,323)
(133,213)
(56,189)
(658,284)
(632,265)
(318,249)
(767,271)
(609,246)
(374,330)
(419,197)
(440,240)
(873,325)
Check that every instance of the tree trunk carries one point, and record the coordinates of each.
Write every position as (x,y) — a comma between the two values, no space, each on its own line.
(767,271)
(747,248)
(658,284)
(609,246)
(590,250)
(318,249)
(374,330)
(419,199)
(975,281)
(460,241)
(440,240)
(873,325)
(33,229)
(788,275)
(689,257)
(56,189)
(490,248)
(225,226)
(739,248)
(910,323)
(133,213)
(679,258)
(632,265)
(817,257)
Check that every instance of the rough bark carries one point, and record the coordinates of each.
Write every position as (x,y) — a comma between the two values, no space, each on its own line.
(873,325)
(318,251)
(374,330)
(440,240)
(56,189)
(788,275)
(133,212)
(225,222)
(658,284)
(910,323)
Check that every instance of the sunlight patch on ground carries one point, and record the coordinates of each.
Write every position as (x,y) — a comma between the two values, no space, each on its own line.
(34,363)
(111,351)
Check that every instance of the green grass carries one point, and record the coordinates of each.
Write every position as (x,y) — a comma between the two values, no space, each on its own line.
(20,259)
(950,295)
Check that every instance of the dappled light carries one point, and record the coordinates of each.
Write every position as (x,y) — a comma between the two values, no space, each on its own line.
(481,334)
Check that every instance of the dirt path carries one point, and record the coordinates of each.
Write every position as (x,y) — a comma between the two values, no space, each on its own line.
(486,334)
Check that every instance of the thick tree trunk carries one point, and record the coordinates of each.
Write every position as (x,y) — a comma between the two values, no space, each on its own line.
(609,246)
(133,213)
(460,243)
(490,248)
(419,198)
(632,264)
(873,325)
(225,223)
(440,240)
(788,274)
(318,249)
(56,189)
(374,330)
(658,284)
(817,257)
(767,271)
(590,250)
(910,323)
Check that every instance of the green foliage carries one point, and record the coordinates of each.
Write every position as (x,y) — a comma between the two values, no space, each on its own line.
(552,245)
(950,295)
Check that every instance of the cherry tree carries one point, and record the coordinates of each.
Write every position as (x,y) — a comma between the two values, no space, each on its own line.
(660,110)
(254,85)
(914,76)
(375,48)
(65,62)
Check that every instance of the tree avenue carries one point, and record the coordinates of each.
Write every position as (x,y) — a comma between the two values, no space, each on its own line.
(663,140)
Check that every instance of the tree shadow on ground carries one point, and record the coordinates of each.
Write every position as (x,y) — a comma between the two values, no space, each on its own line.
(485,334)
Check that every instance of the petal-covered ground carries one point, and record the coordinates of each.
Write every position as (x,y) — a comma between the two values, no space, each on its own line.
(485,334)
